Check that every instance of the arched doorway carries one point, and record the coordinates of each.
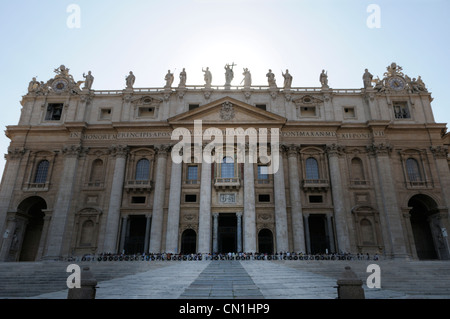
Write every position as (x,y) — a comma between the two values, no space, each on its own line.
(265,241)
(188,242)
(425,226)
(28,231)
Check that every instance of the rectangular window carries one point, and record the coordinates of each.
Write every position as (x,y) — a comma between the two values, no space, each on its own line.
(315,199)
(190,198)
(138,200)
(54,111)
(192,173)
(349,112)
(146,111)
(193,106)
(308,111)
(261,106)
(264,198)
(401,110)
(263,172)
(105,114)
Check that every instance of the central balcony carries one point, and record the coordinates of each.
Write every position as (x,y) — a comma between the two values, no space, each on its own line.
(137,186)
(227,183)
(315,185)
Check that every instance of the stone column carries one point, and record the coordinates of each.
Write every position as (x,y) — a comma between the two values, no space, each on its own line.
(215,232)
(389,199)
(308,238)
(296,206)
(173,217)
(249,208)
(330,233)
(158,200)
(63,202)
(343,243)
(204,216)
(239,231)
(440,157)
(115,200)
(123,233)
(13,159)
(280,207)
(44,234)
(148,225)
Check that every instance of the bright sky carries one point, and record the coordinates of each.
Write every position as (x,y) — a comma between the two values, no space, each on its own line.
(150,37)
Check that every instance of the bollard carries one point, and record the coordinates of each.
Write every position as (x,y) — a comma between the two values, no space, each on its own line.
(88,286)
(349,286)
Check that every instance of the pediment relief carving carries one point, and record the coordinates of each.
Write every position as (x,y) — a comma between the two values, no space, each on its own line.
(308,100)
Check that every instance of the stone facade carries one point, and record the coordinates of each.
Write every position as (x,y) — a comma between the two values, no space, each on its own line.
(360,170)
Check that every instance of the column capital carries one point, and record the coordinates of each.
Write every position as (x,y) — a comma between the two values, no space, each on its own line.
(379,149)
(215,215)
(239,214)
(162,150)
(15,153)
(292,150)
(439,151)
(74,150)
(119,150)
(334,149)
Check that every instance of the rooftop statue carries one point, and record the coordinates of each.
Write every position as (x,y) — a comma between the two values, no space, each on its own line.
(130,79)
(229,74)
(182,78)
(247,78)
(323,78)
(89,79)
(169,80)
(208,77)
(271,79)
(287,80)
(367,79)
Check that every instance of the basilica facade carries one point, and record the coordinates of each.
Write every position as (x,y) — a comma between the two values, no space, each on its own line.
(362,170)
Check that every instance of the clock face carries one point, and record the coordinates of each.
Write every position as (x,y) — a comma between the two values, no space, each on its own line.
(59,86)
(396,83)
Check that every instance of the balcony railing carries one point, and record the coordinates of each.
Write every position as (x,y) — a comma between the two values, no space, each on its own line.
(316,184)
(138,186)
(359,183)
(222,183)
(37,187)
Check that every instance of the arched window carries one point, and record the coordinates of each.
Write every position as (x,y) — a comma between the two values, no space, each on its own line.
(357,169)
(367,232)
(312,168)
(143,170)
(412,167)
(41,172)
(87,232)
(96,171)
(227,170)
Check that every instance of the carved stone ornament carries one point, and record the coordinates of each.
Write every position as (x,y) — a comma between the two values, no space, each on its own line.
(335,149)
(379,149)
(439,151)
(119,150)
(15,153)
(227,111)
(63,82)
(74,150)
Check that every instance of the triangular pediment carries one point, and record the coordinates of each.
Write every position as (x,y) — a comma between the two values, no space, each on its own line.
(228,111)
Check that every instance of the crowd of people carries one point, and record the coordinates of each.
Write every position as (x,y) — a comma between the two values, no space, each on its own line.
(224,256)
